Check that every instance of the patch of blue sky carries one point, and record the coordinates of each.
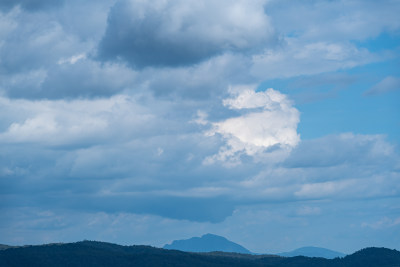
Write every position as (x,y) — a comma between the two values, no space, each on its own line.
(387,40)
(352,112)
(334,103)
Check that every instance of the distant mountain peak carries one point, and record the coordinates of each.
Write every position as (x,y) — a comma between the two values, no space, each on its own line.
(212,236)
(207,243)
(313,252)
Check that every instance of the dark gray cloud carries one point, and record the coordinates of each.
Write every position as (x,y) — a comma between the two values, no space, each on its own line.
(135,182)
(182,208)
(166,33)
(88,196)
(206,81)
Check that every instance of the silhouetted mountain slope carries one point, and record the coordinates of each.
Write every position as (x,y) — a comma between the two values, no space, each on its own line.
(207,243)
(313,252)
(90,253)
(370,257)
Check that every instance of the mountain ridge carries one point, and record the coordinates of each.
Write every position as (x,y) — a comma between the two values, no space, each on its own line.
(311,251)
(207,243)
(94,253)
(210,243)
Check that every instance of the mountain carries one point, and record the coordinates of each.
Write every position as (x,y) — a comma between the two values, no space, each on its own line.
(313,252)
(92,253)
(373,257)
(207,243)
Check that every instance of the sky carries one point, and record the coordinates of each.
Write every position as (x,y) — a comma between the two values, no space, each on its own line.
(275,124)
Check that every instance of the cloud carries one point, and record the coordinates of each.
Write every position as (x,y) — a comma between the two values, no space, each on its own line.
(325,189)
(85,78)
(307,211)
(62,123)
(342,149)
(54,59)
(100,157)
(74,77)
(121,128)
(388,84)
(207,80)
(337,167)
(31,5)
(269,122)
(176,33)
(308,58)
(112,154)
(334,21)
(44,55)
(331,38)
(34,42)
(105,153)
(385,222)
(182,208)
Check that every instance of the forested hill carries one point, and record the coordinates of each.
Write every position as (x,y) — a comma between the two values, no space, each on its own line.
(90,253)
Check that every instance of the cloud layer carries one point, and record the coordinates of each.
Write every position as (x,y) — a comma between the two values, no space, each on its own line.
(166,33)
(120,119)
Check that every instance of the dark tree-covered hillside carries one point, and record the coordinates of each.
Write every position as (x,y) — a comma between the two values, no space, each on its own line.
(90,253)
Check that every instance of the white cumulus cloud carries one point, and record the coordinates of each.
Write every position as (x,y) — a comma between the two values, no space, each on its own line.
(268,123)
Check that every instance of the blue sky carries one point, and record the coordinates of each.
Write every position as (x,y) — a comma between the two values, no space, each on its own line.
(273,123)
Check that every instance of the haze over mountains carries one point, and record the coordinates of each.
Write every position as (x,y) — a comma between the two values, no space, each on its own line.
(210,243)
